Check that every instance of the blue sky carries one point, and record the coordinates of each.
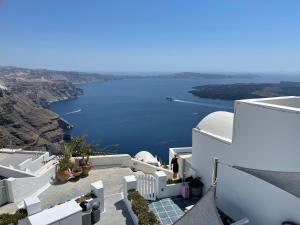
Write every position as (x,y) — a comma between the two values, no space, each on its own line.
(151,35)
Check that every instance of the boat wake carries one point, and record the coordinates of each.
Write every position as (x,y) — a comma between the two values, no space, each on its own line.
(76,111)
(203,104)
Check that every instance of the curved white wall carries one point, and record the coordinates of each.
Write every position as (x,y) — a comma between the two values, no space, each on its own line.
(263,138)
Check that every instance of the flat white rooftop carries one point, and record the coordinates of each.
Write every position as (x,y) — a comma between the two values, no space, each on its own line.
(289,103)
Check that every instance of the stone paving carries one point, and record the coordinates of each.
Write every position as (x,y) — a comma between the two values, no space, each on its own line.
(115,212)
(8,208)
(59,193)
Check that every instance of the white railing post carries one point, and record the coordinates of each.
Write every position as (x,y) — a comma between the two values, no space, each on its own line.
(33,205)
(161,182)
(130,183)
(98,190)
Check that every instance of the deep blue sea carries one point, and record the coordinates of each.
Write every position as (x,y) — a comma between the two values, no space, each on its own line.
(134,113)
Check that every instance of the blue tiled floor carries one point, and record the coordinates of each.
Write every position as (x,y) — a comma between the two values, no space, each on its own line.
(168,210)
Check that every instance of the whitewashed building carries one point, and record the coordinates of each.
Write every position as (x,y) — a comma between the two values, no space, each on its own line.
(262,134)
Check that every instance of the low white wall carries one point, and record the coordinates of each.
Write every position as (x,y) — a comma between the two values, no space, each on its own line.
(68,213)
(39,162)
(130,183)
(12,172)
(125,160)
(147,168)
(19,150)
(34,165)
(110,160)
(20,188)
(23,165)
(98,190)
(171,190)
(132,214)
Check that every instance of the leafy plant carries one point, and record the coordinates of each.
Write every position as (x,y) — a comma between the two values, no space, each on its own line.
(6,219)
(148,218)
(141,209)
(74,146)
(64,163)
(78,147)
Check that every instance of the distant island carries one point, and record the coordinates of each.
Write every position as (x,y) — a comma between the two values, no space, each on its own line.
(246,91)
(194,75)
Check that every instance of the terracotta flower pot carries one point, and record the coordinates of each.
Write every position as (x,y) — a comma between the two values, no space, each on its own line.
(77,172)
(86,169)
(64,175)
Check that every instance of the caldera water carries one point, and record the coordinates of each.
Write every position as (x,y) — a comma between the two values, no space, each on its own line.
(135,115)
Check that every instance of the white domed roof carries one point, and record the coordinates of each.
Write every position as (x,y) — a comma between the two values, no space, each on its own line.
(218,124)
(146,157)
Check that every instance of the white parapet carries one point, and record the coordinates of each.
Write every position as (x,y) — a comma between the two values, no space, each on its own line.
(98,189)
(65,214)
(161,179)
(33,205)
(129,184)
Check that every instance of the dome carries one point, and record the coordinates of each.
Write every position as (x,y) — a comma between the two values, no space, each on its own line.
(218,124)
(146,157)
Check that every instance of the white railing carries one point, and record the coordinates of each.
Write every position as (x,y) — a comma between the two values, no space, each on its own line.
(146,186)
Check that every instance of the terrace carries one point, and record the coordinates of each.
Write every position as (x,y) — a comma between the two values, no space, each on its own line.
(58,193)
(35,175)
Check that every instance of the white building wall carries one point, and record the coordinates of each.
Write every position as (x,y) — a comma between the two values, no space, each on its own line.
(20,188)
(263,138)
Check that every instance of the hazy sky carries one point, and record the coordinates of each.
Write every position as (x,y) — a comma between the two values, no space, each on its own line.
(151,35)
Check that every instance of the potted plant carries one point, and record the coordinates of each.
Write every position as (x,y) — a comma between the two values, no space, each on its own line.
(196,186)
(85,160)
(77,171)
(73,148)
(68,152)
(64,171)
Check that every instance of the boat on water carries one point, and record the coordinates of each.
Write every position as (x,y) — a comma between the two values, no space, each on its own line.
(170,98)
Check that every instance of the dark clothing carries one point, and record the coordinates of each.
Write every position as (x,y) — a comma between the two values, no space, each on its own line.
(174,162)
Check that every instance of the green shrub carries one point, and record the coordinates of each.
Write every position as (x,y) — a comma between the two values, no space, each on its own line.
(6,218)
(141,209)
(134,195)
(148,218)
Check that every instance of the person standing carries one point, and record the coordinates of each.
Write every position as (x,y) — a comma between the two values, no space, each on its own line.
(175,166)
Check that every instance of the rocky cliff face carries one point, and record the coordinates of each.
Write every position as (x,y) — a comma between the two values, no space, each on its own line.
(25,94)
(25,120)
(25,124)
